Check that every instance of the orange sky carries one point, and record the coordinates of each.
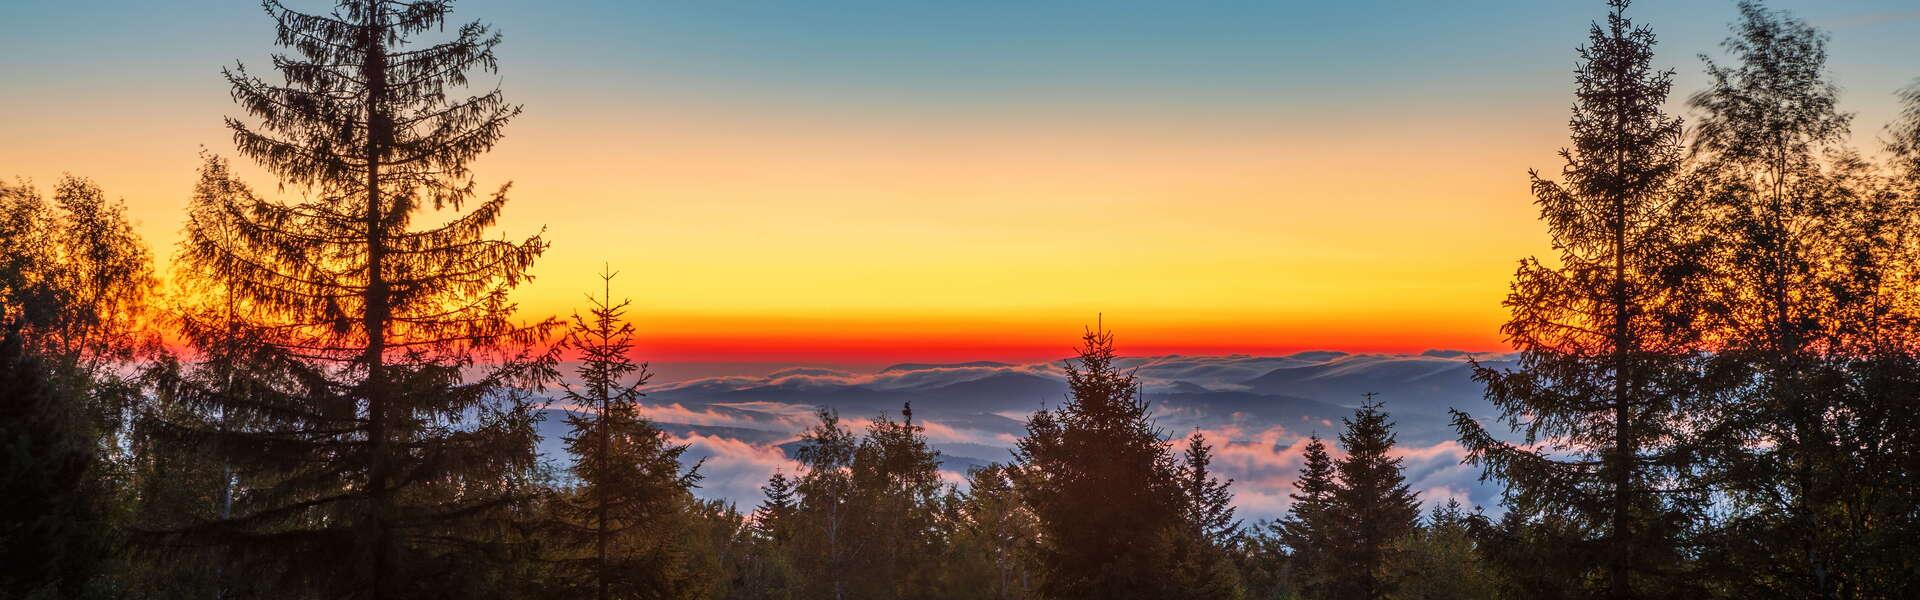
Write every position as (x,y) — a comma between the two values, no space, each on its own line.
(1260,185)
(745,236)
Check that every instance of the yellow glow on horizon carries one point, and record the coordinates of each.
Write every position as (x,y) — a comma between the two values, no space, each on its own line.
(788,234)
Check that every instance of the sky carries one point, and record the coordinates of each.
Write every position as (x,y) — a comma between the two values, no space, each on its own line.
(859,183)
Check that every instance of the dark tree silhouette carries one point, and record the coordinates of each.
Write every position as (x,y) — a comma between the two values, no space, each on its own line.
(1442,560)
(1903,141)
(1202,553)
(1371,510)
(770,518)
(77,280)
(895,504)
(995,537)
(1102,484)
(54,538)
(74,283)
(73,275)
(765,563)
(1608,362)
(1307,529)
(1813,306)
(1529,560)
(397,438)
(1209,498)
(629,488)
(823,549)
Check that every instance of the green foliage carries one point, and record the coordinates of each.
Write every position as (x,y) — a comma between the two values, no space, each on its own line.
(1442,559)
(390,426)
(1106,492)
(1813,313)
(624,520)
(1528,554)
(74,283)
(1101,484)
(55,536)
(869,516)
(1307,531)
(1203,552)
(1371,510)
(1713,397)
(994,538)
(1610,347)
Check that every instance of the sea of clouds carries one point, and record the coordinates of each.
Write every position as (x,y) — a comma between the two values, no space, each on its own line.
(1257,411)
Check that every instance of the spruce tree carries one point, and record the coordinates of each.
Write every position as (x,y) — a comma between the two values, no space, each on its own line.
(1202,553)
(629,497)
(778,504)
(1103,485)
(1608,360)
(869,517)
(1371,510)
(764,569)
(1307,530)
(397,432)
(1209,499)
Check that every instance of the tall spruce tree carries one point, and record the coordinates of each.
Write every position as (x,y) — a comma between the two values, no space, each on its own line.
(1608,362)
(1307,530)
(1371,511)
(1103,485)
(627,505)
(400,436)
(176,479)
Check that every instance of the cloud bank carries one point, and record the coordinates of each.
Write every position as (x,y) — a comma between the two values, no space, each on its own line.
(1257,411)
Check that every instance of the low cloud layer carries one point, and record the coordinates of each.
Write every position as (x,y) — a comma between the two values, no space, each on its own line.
(1257,411)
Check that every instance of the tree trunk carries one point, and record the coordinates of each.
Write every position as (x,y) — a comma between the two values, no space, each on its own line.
(376,306)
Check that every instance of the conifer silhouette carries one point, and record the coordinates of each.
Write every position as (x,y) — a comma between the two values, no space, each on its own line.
(1307,530)
(395,431)
(629,489)
(1102,484)
(1609,359)
(1370,508)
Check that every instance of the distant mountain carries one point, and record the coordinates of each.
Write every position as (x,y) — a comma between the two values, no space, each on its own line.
(930,366)
(1018,391)
(1425,382)
(1256,409)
